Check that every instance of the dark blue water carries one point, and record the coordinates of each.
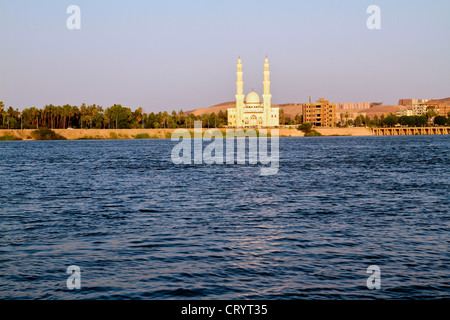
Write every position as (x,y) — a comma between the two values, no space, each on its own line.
(140,227)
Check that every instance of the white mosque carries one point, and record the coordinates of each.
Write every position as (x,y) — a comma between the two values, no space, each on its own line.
(252,112)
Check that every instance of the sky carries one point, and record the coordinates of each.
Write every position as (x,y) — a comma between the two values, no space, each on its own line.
(173,54)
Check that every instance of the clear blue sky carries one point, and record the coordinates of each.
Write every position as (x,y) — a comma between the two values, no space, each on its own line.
(166,55)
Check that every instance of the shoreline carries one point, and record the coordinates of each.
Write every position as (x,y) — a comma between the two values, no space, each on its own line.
(112,134)
(103,134)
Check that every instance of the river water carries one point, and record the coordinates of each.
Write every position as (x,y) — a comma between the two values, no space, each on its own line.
(140,227)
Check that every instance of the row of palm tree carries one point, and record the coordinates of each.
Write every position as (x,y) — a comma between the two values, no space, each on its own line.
(95,116)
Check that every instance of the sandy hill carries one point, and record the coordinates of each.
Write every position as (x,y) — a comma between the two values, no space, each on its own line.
(445,101)
(290,109)
(218,107)
(382,109)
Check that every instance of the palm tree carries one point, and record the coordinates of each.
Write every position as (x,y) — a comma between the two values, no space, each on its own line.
(74,111)
(83,111)
(4,116)
(91,111)
(67,109)
(50,111)
(58,116)
(2,107)
(35,115)
(375,119)
(11,113)
(47,115)
(138,117)
(431,113)
(165,116)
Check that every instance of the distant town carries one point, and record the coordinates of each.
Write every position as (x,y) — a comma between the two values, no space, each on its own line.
(322,113)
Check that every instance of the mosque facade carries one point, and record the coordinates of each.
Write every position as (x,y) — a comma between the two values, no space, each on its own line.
(252,112)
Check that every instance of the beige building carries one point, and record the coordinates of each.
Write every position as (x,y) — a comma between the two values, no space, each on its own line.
(320,114)
(252,112)
(440,109)
(346,105)
(363,105)
(410,102)
(422,108)
(407,112)
(353,105)
(419,109)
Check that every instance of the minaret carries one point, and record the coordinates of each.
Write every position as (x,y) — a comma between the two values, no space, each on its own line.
(266,95)
(239,94)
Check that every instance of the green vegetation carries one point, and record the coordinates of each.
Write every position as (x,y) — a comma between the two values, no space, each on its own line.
(90,138)
(147,136)
(113,135)
(142,136)
(96,117)
(441,121)
(411,121)
(391,120)
(9,137)
(312,133)
(307,129)
(46,134)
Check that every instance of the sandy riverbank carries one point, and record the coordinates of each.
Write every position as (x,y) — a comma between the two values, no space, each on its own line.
(344,131)
(74,134)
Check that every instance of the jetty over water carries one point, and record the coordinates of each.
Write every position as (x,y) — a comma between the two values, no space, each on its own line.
(403,131)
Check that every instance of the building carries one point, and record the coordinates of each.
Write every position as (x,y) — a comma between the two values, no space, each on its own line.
(352,105)
(419,109)
(410,102)
(252,112)
(322,113)
(440,109)
(422,108)
(407,112)
(346,105)
(363,105)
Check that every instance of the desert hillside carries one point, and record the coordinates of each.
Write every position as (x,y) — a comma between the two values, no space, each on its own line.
(445,101)
(290,109)
(216,108)
(382,109)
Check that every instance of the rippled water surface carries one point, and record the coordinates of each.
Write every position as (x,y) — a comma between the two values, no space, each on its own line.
(140,227)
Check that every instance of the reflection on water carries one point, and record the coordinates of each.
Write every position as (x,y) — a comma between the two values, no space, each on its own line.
(140,227)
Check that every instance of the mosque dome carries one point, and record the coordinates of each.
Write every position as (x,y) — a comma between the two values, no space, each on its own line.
(252,98)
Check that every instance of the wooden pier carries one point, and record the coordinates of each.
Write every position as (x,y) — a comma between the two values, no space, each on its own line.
(403,131)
